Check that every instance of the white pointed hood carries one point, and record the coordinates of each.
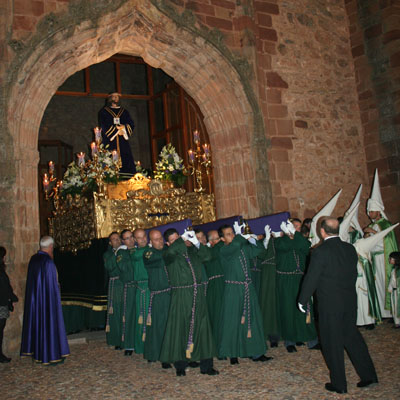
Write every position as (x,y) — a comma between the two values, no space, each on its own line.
(327,210)
(365,245)
(354,221)
(345,225)
(375,202)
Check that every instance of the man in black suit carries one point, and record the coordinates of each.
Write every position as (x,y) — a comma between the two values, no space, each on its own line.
(332,275)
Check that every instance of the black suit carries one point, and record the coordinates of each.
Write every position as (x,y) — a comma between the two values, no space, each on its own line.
(332,275)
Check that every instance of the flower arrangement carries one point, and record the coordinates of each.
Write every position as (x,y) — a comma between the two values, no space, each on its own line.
(84,179)
(170,166)
(140,169)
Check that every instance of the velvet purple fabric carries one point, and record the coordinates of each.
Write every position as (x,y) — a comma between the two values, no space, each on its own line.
(43,330)
(274,221)
(209,226)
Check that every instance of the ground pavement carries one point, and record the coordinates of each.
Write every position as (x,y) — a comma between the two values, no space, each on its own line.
(96,371)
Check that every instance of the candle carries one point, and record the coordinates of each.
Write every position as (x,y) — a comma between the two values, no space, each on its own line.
(206,149)
(97,135)
(196,136)
(191,156)
(204,157)
(45,183)
(60,184)
(81,159)
(115,156)
(93,146)
(51,167)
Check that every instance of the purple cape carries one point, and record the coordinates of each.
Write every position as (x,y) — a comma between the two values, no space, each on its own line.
(43,330)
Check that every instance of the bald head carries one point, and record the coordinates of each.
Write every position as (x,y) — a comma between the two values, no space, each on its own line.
(156,239)
(140,237)
(329,227)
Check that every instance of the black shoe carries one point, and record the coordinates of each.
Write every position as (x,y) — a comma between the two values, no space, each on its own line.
(367,383)
(166,365)
(262,358)
(274,344)
(315,347)
(210,371)
(4,359)
(128,352)
(370,327)
(291,349)
(331,388)
(299,343)
(180,372)
(194,364)
(118,348)
(234,361)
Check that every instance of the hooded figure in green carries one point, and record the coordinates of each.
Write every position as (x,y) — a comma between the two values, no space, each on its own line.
(188,336)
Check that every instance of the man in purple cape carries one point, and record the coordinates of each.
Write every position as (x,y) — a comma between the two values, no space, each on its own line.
(43,330)
(116,128)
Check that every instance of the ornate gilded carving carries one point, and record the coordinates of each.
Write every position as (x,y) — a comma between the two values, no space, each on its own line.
(78,220)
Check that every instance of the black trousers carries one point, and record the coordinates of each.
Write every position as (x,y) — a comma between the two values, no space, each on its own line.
(339,332)
(205,364)
(2,326)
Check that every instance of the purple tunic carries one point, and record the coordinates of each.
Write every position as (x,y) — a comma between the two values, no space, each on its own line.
(43,330)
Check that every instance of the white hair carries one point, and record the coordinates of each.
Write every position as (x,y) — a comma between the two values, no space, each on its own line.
(46,242)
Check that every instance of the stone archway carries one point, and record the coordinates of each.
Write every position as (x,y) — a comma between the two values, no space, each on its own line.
(137,28)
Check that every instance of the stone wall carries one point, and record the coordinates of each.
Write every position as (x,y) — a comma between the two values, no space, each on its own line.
(274,79)
(375,46)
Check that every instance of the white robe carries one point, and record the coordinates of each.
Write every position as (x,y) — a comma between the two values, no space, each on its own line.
(380,275)
(363,317)
(393,297)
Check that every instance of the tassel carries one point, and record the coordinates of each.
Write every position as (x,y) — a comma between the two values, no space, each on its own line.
(242,320)
(123,318)
(123,338)
(249,333)
(148,323)
(191,346)
(188,354)
(111,310)
(108,328)
(308,318)
(140,322)
(144,337)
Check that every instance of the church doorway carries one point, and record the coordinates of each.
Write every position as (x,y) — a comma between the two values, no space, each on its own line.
(162,112)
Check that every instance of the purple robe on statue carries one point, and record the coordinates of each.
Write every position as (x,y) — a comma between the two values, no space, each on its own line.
(43,330)
(108,116)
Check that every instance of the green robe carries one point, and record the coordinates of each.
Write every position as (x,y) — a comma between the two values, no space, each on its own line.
(390,245)
(188,335)
(241,328)
(115,300)
(291,257)
(157,314)
(267,294)
(142,297)
(125,265)
(215,289)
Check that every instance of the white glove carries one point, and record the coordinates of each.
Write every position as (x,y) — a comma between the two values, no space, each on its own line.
(267,231)
(238,228)
(301,308)
(284,228)
(191,237)
(290,227)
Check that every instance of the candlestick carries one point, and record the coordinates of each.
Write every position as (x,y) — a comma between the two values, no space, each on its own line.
(191,156)
(45,183)
(93,146)
(81,159)
(97,135)
(196,136)
(51,168)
